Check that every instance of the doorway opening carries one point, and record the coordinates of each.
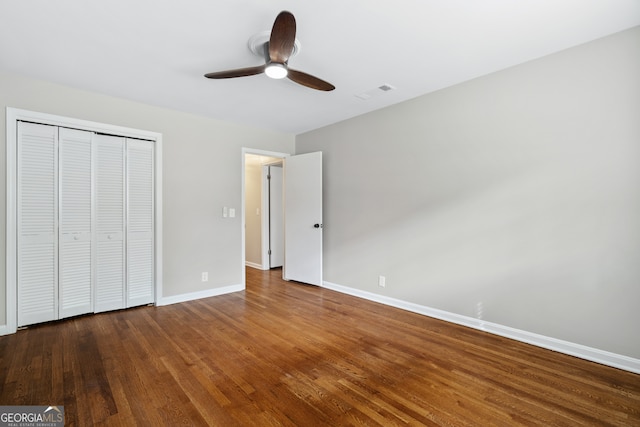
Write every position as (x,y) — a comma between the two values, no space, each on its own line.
(263,234)
(302,215)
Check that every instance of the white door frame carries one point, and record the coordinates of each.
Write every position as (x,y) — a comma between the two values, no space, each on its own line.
(246,151)
(13,116)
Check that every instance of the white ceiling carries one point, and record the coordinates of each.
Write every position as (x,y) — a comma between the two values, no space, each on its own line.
(157,51)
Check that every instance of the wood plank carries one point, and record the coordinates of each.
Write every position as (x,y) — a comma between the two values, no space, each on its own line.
(286,354)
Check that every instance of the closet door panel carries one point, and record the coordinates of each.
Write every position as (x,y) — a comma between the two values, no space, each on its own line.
(75,284)
(140,223)
(75,290)
(110,222)
(140,284)
(37,221)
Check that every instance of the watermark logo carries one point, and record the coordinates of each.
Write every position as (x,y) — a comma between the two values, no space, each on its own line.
(31,416)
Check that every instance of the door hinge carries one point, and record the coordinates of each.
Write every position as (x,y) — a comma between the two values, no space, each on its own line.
(268,176)
(269,251)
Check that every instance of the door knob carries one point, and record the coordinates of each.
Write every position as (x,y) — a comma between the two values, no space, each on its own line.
(317,225)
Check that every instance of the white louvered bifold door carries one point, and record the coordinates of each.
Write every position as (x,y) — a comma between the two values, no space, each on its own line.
(109,222)
(75,284)
(140,223)
(37,221)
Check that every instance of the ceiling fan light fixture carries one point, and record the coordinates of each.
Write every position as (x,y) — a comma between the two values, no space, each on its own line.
(277,50)
(276,70)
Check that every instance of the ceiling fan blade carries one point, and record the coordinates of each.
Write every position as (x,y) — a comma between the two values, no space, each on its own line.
(283,37)
(239,72)
(309,81)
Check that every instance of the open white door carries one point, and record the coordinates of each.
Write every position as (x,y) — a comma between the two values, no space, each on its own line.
(303,218)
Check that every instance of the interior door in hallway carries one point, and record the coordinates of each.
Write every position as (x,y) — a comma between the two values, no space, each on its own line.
(276,223)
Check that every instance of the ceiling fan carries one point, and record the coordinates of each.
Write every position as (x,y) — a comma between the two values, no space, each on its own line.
(277,52)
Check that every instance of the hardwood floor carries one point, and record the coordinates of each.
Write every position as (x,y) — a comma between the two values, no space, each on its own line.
(294,355)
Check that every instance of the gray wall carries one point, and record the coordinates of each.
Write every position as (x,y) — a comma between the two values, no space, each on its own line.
(514,197)
(201,174)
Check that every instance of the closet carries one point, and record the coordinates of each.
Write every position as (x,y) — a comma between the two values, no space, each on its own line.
(85,222)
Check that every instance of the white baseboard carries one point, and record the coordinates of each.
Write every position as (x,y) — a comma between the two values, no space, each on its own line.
(200,294)
(4,330)
(588,353)
(254,265)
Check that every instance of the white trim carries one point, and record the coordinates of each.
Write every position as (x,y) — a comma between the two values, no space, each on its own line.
(157,238)
(199,295)
(255,265)
(578,350)
(51,119)
(11,222)
(244,152)
(13,116)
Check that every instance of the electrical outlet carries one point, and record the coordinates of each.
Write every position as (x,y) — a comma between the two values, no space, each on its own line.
(205,276)
(382,281)
(479,310)
(480,315)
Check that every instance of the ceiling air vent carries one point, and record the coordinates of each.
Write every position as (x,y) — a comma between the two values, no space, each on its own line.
(375,92)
